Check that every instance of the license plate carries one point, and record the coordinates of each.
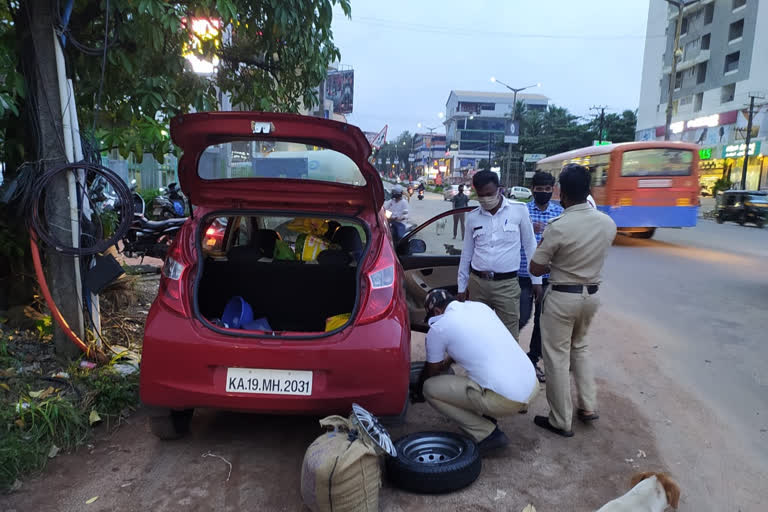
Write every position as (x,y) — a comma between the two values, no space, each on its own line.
(654,183)
(269,382)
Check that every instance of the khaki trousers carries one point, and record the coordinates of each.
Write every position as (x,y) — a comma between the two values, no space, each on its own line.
(565,319)
(501,296)
(463,400)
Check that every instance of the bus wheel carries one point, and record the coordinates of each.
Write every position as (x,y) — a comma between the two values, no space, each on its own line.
(648,233)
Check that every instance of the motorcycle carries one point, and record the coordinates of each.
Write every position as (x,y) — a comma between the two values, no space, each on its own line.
(169,204)
(398,228)
(146,237)
(421,195)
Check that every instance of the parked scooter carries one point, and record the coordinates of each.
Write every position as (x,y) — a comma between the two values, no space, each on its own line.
(146,237)
(169,204)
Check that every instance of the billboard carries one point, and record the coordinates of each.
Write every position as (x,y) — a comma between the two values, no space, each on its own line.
(339,88)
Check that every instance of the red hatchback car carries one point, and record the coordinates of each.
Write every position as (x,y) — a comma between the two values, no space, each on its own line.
(298,304)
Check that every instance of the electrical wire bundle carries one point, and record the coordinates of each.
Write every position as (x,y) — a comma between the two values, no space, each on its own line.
(56,231)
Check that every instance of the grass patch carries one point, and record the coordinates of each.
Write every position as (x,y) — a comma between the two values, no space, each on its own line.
(41,416)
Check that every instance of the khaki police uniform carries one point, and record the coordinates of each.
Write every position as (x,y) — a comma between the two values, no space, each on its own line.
(574,246)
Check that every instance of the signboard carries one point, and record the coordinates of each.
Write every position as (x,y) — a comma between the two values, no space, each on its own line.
(411,157)
(389,161)
(533,157)
(376,140)
(705,153)
(737,150)
(529,174)
(466,162)
(601,142)
(339,88)
(454,146)
(511,132)
(397,159)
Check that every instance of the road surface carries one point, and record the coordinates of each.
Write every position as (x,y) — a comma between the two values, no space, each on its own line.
(682,366)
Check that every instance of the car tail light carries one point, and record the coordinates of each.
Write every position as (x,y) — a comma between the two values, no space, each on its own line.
(381,288)
(171,281)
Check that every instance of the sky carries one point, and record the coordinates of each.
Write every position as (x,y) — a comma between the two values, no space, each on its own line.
(409,54)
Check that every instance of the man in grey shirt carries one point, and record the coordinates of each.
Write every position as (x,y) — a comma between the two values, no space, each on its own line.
(460,200)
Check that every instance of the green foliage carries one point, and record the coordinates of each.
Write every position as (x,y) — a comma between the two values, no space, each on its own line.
(44,327)
(109,220)
(721,184)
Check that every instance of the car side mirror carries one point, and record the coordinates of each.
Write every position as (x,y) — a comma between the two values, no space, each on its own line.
(416,246)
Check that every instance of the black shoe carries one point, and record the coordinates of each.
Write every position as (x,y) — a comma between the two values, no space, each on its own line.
(496,440)
(543,422)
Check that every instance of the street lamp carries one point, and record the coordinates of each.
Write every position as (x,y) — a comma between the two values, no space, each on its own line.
(677,53)
(514,90)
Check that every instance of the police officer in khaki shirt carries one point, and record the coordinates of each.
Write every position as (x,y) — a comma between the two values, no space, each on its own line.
(572,250)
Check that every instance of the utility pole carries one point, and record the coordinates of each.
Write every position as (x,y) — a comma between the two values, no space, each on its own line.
(752,97)
(677,53)
(35,38)
(601,108)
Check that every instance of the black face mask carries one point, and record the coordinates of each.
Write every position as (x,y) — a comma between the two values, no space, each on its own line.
(542,197)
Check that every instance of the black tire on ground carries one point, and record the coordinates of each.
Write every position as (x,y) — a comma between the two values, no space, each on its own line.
(645,234)
(719,219)
(742,220)
(434,462)
(760,223)
(173,425)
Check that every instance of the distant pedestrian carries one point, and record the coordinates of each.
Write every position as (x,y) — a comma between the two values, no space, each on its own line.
(541,210)
(500,379)
(490,257)
(572,250)
(460,200)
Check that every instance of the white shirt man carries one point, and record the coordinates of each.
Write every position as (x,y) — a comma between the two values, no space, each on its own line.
(500,379)
(397,205)
(490,257)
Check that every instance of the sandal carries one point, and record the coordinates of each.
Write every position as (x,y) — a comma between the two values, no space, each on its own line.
(586,418)
(543,422)
(540,374)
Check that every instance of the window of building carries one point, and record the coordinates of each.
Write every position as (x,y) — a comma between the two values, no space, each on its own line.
(698,101)
(686,100)
(727,93)
(736,30)
(709,13)
(701,72)
(691,48)
(678,80)
(738,4)
(474,107)
(496,125)
(731,62)
(705,39)
(684,26)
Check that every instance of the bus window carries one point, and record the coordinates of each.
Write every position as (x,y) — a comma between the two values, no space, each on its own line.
(599,170)
(657,162)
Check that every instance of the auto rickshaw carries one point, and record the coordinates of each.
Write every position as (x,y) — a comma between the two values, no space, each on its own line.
(742,206)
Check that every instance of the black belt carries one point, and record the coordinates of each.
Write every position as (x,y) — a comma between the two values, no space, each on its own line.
(575,288)
(494,276)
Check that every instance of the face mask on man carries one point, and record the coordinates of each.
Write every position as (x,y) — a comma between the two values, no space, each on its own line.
(488,203)
(542,197)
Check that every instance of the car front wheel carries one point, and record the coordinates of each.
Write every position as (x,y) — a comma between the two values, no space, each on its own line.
(173,425)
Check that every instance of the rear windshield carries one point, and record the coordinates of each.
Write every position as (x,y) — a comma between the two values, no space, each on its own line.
(657,162)
(755,198)
(277,159)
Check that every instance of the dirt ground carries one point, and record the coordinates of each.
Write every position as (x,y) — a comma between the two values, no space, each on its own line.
(647,423)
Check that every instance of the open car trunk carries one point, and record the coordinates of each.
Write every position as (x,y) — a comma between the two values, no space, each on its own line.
(294,273)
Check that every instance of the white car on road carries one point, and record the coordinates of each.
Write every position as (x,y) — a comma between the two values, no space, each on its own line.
(519,193)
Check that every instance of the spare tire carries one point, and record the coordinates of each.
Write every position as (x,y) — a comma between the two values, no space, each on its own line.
(434,462)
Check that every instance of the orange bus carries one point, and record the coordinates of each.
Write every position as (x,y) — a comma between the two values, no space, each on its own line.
(640,185)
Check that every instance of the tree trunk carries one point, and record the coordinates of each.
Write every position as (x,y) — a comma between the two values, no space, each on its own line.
(35,33)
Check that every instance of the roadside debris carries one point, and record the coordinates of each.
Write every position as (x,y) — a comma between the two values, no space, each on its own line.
(209,454)
(91,500)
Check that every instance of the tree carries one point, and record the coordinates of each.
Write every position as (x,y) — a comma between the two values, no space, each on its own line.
(127,61)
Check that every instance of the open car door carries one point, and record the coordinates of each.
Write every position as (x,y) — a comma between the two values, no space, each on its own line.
(430,257)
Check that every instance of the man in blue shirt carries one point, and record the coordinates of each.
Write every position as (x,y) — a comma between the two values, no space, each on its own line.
(541,210)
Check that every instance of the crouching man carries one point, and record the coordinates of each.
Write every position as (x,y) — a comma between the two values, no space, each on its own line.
(500,381)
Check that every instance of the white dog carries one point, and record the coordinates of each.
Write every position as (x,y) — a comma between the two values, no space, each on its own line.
(651,492)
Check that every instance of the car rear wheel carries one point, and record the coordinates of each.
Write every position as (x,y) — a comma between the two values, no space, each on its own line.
(434,462)
(173,425)
(719,218)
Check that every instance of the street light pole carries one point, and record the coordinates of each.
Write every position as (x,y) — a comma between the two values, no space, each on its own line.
(676,54)
(514,90)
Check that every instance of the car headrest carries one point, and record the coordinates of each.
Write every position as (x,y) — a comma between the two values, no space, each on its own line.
(348,238)
(264,240)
